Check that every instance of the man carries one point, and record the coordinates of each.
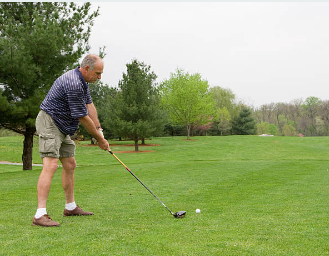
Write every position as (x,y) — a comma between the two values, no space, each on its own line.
(67,103)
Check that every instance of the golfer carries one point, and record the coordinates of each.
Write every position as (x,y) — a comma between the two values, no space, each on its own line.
(67,103)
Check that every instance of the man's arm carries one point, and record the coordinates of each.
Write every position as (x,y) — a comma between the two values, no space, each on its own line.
(92,113)
(90,126)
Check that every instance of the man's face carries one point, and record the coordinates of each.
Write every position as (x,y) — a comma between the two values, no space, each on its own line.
(93,75)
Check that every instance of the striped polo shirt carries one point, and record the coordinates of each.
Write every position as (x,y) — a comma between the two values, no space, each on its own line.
(66,101)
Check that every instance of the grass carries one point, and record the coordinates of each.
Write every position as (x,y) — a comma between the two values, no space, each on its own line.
(257,195)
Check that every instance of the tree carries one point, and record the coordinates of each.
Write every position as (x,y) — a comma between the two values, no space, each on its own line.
(311,106)
(202,129)
(39,40)
(266,128)
(289,130)
(244,123)
(225,98)
(323,113)
(263,128)
(224,120)
(282,121)
(187,99)
(135,111)
(273,129)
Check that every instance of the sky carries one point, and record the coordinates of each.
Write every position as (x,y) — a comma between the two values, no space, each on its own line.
(264,52)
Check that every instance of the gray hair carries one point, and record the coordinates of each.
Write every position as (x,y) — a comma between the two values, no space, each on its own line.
(90,60)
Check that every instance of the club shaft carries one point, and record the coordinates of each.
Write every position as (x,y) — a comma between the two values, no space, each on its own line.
(141,182)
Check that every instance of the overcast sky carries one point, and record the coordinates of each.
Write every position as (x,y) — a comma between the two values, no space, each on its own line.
(264,52)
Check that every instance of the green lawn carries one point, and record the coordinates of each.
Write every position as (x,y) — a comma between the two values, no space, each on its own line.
(257,195)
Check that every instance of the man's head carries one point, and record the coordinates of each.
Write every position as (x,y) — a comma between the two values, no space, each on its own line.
(92,68)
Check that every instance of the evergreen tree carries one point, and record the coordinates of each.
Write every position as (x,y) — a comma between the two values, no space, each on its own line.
(39,41)
(244,123)
(134,111)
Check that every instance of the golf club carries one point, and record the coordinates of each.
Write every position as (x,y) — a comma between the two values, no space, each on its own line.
(180,214)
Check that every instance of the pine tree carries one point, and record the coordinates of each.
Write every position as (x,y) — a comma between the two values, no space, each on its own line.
(38,42)
(135,112)
(244,123)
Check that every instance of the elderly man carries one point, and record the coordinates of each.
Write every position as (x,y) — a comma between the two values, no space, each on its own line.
(67,103)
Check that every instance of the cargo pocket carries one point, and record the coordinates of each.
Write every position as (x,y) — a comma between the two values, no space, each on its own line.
(47,144)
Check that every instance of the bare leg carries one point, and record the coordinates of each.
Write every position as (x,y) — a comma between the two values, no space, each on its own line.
(69,165)
(49,168)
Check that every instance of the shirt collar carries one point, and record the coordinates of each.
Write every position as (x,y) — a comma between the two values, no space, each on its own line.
(84,83)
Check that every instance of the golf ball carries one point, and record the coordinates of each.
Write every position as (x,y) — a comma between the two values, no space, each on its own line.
(197,210)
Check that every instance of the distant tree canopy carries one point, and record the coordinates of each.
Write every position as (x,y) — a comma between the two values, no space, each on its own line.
(187,100)
(309,117)
(225,98)
(39,40)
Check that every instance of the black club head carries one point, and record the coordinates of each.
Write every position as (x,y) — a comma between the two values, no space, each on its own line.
(180,214)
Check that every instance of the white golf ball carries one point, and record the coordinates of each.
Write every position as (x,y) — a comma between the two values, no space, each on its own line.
(197,210)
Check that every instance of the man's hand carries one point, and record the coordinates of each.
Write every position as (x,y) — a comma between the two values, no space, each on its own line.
(103,144)
(90,127)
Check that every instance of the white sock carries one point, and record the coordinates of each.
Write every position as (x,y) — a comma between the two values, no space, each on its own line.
(40,212)
(70,206)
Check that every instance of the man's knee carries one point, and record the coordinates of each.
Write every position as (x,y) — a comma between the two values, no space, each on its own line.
(72,164)
(49,167)
(68,163)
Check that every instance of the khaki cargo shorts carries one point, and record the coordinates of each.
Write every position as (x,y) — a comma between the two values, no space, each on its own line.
(52,142)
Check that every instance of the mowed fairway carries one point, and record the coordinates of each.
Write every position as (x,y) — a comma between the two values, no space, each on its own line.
(257,195)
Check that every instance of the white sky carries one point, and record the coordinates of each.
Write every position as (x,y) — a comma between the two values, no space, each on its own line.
(263,51)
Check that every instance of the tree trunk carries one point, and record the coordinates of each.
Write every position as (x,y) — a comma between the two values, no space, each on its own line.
(143,141)
(28,147)
(136,144)
(188,127)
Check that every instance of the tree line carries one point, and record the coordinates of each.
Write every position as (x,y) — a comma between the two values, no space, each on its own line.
(308,117)
(183,104)
(40,40)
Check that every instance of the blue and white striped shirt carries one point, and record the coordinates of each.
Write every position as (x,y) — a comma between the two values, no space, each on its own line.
(66,101)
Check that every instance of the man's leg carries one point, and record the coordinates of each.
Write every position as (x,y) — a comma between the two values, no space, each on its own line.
(50,140)
(41,217)
(49,168)
(49,143)
(71,209)
(69,165)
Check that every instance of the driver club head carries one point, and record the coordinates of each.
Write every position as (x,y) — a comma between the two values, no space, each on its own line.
(180,214)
